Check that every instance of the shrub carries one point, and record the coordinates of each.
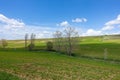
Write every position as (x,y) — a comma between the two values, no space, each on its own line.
(31,47)
(49,46)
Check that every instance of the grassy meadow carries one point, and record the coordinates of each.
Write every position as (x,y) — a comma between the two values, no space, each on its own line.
(16,63)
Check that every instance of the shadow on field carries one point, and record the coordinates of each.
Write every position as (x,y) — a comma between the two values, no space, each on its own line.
(90,51)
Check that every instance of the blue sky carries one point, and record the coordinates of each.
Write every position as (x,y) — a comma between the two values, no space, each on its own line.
(43,17)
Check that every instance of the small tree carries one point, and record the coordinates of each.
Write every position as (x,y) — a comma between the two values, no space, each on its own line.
(31,46)
(4,43)
(49,46)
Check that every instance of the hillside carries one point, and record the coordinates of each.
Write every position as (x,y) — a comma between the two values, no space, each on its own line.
(53,66)
(16,63)
(93,47)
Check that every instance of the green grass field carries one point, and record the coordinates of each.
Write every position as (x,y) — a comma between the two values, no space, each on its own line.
(17,63)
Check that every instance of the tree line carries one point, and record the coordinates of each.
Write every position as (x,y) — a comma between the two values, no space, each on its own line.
(64,41)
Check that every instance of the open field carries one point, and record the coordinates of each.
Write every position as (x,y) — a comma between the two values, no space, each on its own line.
(19,64)
(92,47)
(52,66)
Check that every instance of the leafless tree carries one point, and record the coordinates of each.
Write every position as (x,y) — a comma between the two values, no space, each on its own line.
(70,39)
(26,40)
(57,41)
(66,41)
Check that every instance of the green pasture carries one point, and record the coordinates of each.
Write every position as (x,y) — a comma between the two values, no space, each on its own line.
(17,63)
(43,65)
(93,47)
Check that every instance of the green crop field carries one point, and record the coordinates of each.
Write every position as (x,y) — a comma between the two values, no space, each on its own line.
(16,63)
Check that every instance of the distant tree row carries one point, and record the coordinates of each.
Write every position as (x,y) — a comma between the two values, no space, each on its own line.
(63,41)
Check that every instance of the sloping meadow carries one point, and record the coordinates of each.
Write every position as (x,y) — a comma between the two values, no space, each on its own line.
(25,65)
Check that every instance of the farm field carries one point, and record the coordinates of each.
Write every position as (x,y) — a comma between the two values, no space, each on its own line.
(93,47)
(59,39)
(17,63)
(52,66)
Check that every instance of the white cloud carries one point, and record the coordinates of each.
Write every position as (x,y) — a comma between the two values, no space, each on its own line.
(15,29)
(19,33)
(92,32)
(63,24)
(112,24)
(78,20)
(10,23)
(46,32)
(108,27)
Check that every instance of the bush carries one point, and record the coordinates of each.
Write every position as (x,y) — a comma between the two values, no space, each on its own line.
(31,47)
(49,46)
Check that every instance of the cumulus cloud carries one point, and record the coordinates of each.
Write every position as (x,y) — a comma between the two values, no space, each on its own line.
(63,24)
(14,29)
(92,32)
(10,23)
(108,27)
(78,20)
(19,33)
(112,24)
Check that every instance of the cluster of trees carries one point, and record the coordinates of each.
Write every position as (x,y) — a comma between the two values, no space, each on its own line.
(63,41)
(66,40)
(30,46)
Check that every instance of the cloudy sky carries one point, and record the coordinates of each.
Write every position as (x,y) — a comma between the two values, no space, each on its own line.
(43,17)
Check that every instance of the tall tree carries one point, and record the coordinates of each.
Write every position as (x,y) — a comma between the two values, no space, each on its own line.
(32,38)
(71,39)
(57,41)
(66,40)
(26,40)
(32,44)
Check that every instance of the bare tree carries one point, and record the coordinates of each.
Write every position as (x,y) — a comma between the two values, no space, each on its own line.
(4,43)
(26,40)
(66,40)
(70,39)
(57,41)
